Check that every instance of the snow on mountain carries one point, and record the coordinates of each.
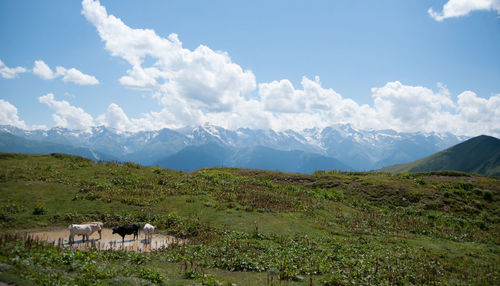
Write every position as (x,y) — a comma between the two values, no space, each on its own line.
(360,149)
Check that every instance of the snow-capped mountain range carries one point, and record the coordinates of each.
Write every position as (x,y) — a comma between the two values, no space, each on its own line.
(359,149)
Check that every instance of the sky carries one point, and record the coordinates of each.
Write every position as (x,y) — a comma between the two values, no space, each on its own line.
(430,66)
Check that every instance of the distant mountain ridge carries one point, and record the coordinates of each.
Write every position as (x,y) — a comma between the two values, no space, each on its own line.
(358,149)
(16,144)
(259,157)
(477,155)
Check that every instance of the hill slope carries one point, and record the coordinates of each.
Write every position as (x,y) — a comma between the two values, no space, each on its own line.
(12,143)
(287,161)
(249,226)
(477,155)
(214,155)
(196,157)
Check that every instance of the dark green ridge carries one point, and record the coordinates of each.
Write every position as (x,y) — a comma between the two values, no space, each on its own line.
(479,155)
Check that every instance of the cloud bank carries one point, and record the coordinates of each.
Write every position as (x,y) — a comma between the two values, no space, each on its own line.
(458,8)
(396,106)
(199,86)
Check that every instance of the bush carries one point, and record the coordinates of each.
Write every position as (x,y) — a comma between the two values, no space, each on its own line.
(419,181)
(39,209)
(488,195)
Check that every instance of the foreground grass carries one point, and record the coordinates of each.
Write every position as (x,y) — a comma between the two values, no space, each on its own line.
(253,227)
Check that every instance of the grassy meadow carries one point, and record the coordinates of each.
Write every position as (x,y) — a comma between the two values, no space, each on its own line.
(251,227)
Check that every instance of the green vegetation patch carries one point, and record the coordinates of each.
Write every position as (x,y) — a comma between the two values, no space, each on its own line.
(252,227)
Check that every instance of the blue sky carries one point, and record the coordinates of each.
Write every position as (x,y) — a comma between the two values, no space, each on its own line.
(262,64)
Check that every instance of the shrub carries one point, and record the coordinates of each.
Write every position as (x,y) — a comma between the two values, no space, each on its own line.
(157,170)
(39,209)
(419,181)
(488,195)
(132,165)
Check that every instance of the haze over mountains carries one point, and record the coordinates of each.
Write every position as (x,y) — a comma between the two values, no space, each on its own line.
(336,147)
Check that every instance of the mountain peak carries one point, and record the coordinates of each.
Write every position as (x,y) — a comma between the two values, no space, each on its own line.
(360,149)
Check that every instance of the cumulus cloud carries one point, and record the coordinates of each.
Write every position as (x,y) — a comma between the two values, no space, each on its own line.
(410,108)
(395,106)
(73,75)
(199,86)
(475,109)
(67,115)
(7,72)
(115,118)
(281,97)
(76,76)
(458,8)
(311,106)
(416,108)
(9,116)
(478,115)
(42,70)
(203,78)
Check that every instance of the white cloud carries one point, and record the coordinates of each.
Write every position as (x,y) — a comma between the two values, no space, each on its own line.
(203,78)
(9,116)
(7,72)
(281,97)
(141,78)
(396,106)
(478,115)
(416,108)
(202,85)
(199,86)
(408,108)
(458,8)
(115,118)
(66,115)
(312,106)
(42,70)
(76,76)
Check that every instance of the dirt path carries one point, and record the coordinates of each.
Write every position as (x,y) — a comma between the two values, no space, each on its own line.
(108,241)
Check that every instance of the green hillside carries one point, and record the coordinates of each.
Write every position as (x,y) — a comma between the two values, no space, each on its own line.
(479,155)
(13,143)
(251,227)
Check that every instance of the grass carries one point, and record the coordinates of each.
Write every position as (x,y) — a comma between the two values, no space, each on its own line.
(253,227)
